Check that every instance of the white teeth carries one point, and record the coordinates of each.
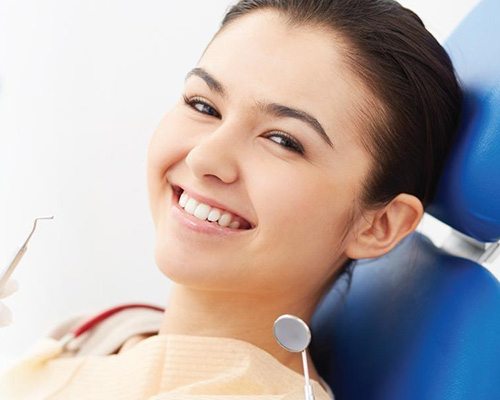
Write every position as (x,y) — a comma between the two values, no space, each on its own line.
(202,211)
(205,212)
(191,206)
(225,219)
(183,199)
(234,224)
(214,215)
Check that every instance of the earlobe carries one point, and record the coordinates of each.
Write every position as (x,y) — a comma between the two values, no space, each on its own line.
(386,227)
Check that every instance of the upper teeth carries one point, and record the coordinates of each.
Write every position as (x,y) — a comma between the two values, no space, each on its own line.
(204,211)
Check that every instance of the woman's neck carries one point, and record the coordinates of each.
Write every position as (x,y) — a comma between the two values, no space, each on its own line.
(245,317)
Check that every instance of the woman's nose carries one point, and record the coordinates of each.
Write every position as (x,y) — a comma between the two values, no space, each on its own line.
(216,153)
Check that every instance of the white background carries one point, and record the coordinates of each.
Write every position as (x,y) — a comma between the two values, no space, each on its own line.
(83,84)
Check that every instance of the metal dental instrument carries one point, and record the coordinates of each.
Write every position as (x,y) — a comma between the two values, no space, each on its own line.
(10,269)
(294,335)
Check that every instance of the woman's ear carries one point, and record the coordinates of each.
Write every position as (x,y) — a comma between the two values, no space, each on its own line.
(382,229)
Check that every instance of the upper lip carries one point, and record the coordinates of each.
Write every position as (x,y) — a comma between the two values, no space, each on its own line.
(213,203)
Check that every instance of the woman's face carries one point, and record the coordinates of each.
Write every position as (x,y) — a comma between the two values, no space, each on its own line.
(232,150)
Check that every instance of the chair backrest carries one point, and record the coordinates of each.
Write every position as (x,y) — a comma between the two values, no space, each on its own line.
(420,323)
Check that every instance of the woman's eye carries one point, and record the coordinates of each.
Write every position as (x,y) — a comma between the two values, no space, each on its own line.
(201,107)
(285,140)
(288,142)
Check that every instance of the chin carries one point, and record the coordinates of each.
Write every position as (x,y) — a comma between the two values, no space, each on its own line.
(182,268)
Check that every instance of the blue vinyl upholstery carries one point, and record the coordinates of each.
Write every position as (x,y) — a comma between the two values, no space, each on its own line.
(468,197)
(418,323)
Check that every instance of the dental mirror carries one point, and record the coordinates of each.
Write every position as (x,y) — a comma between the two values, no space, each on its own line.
(294,335)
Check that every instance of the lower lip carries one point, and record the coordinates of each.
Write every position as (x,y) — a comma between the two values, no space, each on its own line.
(197,225)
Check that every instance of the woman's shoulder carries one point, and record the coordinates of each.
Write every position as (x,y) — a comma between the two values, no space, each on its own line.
(106,335)
(47,365)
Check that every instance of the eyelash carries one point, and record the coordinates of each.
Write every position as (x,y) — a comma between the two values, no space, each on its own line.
(294,145)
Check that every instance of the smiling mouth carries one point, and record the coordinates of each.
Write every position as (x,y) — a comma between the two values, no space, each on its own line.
(236,221)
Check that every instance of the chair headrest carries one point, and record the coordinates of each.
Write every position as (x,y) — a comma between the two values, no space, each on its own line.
(417,323)
(468,194)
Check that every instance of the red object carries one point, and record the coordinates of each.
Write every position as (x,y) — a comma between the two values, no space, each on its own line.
(108,313)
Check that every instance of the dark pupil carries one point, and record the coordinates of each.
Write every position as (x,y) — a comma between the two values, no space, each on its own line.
(207,109)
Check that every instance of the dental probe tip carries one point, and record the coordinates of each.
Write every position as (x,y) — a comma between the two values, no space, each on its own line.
(51,217)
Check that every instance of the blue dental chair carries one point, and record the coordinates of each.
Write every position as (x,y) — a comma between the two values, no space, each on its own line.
(421,322)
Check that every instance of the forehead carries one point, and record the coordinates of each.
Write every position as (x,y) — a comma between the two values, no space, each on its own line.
(259,57)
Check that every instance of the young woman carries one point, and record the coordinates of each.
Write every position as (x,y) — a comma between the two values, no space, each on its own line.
(310,134)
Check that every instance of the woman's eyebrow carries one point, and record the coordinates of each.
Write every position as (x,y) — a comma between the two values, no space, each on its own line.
(277,110)
(212,83)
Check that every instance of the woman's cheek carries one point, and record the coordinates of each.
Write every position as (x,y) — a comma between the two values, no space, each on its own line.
(168,142)
(161,154)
